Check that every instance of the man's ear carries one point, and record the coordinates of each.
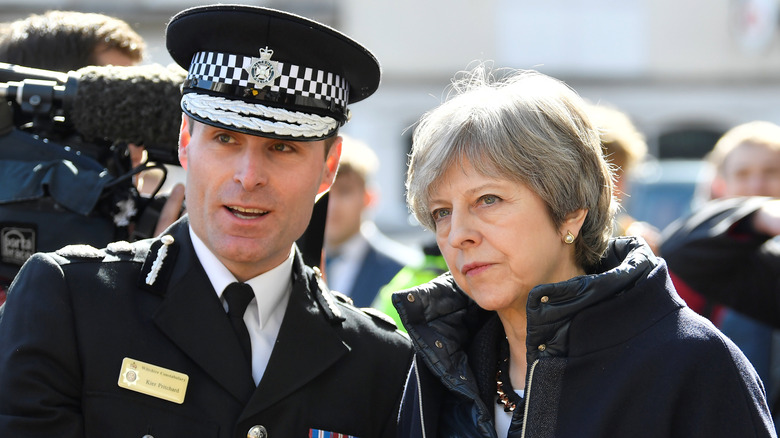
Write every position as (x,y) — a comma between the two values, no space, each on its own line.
(184,141)
(370,197)
(331,166)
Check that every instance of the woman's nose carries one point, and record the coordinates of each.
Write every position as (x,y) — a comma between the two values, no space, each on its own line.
(463,231)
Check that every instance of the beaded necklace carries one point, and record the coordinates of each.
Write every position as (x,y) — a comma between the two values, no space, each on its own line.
(506,394)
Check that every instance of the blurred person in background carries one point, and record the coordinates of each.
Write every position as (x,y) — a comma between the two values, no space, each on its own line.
(708,251)
(730,250)
(624,148)
(546,326)
(69,40)
(359,259)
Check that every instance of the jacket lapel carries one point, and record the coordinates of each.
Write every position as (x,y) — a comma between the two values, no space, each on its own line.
(193,318)
(307,345)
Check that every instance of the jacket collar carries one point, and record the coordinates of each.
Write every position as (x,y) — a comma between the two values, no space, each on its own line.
(192,316)
(440,311)
(310,320)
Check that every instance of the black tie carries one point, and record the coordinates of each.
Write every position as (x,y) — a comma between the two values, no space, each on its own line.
(238,296)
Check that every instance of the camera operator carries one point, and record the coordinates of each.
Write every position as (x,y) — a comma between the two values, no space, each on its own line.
(65,41)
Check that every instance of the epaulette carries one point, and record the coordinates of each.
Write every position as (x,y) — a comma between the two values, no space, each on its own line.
(380,316)
(341,297)
(81,251)
(120,247)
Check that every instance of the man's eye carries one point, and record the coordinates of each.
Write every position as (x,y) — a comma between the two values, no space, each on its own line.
(224,138)
(281,147)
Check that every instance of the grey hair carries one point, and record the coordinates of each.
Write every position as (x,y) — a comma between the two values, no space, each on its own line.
(525,127)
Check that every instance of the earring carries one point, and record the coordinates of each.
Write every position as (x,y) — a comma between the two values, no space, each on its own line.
(569,239)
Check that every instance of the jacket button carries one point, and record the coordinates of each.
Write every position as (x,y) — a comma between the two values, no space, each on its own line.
(410,298)
(542,347)
(257,432)
(545,299)
(438,344)
(147,436)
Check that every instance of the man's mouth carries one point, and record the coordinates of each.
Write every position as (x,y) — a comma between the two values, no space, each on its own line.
(247,213)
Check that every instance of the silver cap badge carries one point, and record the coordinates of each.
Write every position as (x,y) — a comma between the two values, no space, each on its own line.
(262,71)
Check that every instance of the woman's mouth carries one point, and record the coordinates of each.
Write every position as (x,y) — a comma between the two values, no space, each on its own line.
(474,268)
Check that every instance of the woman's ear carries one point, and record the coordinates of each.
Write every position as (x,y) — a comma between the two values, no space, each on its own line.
(573,222)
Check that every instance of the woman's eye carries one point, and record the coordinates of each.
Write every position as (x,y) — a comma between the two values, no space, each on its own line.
(440,213)
(489,199)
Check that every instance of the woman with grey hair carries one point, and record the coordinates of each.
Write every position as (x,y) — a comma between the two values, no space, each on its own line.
(544,326)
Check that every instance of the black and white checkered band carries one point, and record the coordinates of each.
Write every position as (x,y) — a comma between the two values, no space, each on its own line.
(291,85)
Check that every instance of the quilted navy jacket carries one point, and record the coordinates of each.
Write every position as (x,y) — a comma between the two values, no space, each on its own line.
(615,353)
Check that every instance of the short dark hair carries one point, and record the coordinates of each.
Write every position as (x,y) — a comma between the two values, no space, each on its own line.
(66,40)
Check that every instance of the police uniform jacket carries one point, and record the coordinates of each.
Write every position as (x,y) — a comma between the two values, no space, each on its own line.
(72,317)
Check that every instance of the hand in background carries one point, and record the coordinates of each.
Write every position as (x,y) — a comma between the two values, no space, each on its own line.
(172,210)
(767,218)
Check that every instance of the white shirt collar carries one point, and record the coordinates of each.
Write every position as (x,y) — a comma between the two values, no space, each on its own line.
(270,287)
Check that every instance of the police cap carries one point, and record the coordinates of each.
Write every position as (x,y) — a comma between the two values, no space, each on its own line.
(267,72)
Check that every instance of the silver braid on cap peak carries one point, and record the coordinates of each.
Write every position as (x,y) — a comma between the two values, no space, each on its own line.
(234,113)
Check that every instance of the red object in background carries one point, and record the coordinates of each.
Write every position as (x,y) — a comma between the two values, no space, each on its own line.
(697,302)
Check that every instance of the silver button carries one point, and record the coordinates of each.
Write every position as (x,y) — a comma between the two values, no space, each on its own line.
(545,299)
(147,436)
(257,432)
(542,347)
(438,344)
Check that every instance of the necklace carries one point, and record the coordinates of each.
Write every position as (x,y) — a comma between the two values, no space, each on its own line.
(503,398)
(506,395)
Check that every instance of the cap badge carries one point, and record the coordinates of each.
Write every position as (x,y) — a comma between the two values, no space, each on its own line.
(262,71)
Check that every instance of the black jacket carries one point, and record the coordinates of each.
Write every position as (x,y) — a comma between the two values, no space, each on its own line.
(72,317)
(718,253)
(611,354)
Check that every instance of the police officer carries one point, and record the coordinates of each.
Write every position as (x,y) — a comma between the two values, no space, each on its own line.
(217,328)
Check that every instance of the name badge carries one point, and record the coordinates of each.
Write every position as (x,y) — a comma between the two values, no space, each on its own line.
(153,380)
